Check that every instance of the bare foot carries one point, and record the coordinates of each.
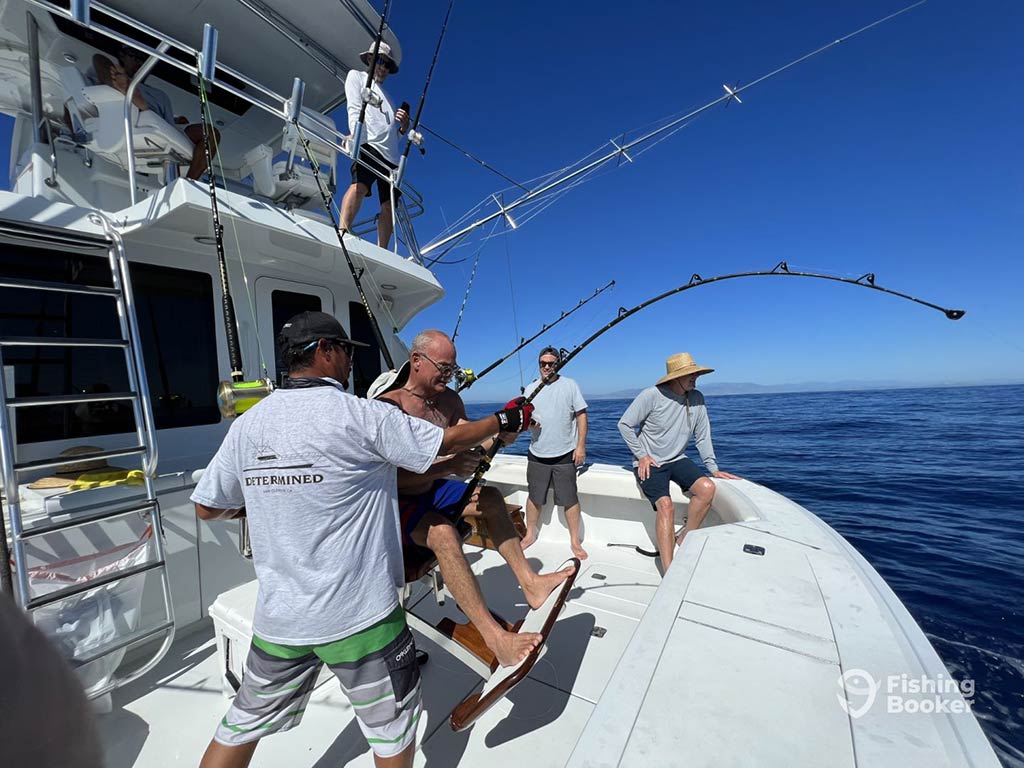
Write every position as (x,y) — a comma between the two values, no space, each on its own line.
(543,584)
(511,647)
(529,539)
(579,551)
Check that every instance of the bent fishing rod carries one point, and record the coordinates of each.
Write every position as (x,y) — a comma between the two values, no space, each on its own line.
(357,132)
(465,376)
(413,136)
(781,269)
(622,150)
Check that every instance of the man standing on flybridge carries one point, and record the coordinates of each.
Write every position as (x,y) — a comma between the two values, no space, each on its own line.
(314,470)
(657,427)
(380,151)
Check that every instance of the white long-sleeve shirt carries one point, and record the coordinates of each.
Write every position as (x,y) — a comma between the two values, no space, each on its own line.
(665,424)
(380,129)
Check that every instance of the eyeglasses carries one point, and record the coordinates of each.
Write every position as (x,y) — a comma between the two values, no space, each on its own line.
(447,370)
(548,363)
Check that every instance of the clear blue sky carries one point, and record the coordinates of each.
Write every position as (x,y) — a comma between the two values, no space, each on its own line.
(897,153)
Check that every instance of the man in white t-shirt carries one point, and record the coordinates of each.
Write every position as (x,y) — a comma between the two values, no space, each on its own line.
(314,468)
(378,153)
(558,446)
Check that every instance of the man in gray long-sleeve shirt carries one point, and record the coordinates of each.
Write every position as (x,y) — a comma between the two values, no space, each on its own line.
(657,427)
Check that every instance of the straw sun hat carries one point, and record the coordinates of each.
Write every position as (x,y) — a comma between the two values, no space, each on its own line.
(680,365)
(71,470)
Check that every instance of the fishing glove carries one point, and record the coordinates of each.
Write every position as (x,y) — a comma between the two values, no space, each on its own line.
(515,416)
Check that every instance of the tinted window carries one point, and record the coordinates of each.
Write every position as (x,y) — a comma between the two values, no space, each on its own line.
(366,366)
(285,305)
(176,325)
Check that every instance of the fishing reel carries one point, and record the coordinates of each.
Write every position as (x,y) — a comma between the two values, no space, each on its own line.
(464,377)
(236,397)
(370,97)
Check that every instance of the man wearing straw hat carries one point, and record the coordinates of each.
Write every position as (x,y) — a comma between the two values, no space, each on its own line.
(657,427)
(379,154)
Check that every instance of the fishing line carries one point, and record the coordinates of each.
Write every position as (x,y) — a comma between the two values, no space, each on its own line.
(474,158)
(469,287)
(515,321)
(867,280)
(356,275)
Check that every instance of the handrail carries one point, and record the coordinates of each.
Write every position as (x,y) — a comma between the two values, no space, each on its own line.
(129,129)
(473,706)
(332,137)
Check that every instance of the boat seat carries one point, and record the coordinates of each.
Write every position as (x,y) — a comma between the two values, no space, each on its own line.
(290,181)
(97,115)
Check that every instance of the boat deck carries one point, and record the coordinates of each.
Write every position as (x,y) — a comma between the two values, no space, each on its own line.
(168,717)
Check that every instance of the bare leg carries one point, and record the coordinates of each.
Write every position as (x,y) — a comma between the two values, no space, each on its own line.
(198,165)
(385,226)
(665,530)
(701,493)
(572,519)
(402,760)
(220,756)
(350,205)
(488,503)
(532,524)
(440,536)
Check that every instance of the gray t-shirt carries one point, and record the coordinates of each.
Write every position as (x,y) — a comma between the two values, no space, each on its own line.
(315,469)
(660,423)
(555,409)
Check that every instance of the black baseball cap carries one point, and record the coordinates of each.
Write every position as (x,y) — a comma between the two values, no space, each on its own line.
(310,326)
(549,351)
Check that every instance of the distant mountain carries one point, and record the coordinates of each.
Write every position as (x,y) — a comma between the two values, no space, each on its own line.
(843,385)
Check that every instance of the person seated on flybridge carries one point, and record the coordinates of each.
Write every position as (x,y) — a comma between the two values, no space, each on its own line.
(118,74)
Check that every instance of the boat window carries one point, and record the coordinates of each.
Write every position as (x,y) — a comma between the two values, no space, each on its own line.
(285,305)
(366,365)
(176,324)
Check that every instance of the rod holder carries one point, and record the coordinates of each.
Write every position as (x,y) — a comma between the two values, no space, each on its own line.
(208,55)
(80,11)
(293,107)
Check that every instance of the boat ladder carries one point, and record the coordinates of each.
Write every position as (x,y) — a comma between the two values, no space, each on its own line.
(17,575)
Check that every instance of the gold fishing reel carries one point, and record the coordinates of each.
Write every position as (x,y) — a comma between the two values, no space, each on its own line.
(236,397)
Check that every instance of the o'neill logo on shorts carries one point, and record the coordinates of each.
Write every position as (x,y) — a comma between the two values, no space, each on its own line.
(284,479)
(403,653)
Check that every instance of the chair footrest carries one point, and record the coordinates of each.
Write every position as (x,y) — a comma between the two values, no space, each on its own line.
(469,637)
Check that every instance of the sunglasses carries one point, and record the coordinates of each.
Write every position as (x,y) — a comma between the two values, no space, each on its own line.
(346,346)
(447,370)
(384,61)
(547,363)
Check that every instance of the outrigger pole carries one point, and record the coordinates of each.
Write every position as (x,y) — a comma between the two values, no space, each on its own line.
(466,378)
(357,132)
(414,136)
(622,150)
(780,270)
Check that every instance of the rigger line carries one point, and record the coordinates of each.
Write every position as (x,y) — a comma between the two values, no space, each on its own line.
(780,270)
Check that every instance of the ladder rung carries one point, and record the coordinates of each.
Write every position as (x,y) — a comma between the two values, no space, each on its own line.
(45,285)
(27,402)
(58,460)
(124,642)
(57,341)
(76,589)
(79,517)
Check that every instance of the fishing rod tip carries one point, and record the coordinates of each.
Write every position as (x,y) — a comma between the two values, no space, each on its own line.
(955,314)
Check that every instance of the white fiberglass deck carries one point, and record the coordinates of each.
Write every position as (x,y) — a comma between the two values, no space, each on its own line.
(735,658)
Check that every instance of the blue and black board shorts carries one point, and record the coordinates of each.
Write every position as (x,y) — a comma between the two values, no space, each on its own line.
(683,471)
(443,497)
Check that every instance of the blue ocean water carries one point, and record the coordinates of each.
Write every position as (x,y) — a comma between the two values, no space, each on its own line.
(928,484)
